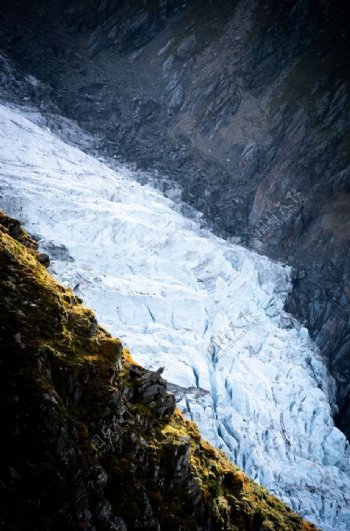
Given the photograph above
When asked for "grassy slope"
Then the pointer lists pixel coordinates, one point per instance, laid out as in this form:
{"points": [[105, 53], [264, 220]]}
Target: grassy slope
{"points": [[64, 380]]}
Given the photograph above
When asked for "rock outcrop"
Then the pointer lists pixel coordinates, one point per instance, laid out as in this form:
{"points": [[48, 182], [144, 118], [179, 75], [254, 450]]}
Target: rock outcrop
{"points": [[91, 440]]}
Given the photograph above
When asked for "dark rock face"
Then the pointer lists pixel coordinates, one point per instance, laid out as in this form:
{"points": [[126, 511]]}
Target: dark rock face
{"points": [[89, 439], [151, 390], [244, 104]]}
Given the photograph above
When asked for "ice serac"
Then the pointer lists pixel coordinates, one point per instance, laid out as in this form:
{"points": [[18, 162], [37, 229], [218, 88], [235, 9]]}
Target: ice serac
{"points": [[208, 311]]}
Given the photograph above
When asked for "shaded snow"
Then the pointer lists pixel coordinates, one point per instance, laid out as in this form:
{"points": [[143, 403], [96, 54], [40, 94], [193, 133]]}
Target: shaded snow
{"points": [[208, 311]]}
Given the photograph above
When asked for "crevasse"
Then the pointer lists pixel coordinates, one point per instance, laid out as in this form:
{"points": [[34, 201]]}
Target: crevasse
{"points": [[208, 311]]}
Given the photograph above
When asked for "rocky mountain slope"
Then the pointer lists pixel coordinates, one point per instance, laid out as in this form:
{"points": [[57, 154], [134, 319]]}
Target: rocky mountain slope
{"points": [[243, 104], [90, 440], [208, 311]]}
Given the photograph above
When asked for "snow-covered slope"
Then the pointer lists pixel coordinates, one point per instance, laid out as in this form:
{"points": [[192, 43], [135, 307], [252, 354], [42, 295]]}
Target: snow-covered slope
{"points": [[208, 311]]}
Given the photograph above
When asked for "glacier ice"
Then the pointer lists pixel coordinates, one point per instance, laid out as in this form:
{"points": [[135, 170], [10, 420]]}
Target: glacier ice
{"points": [[208, 311]]}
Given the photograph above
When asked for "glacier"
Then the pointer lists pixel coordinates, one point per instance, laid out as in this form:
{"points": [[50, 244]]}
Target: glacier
{"points": [[208, 311]]}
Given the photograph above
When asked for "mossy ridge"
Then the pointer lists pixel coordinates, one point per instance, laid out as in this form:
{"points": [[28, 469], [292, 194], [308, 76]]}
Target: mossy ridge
{"points": [[65, 380]]}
